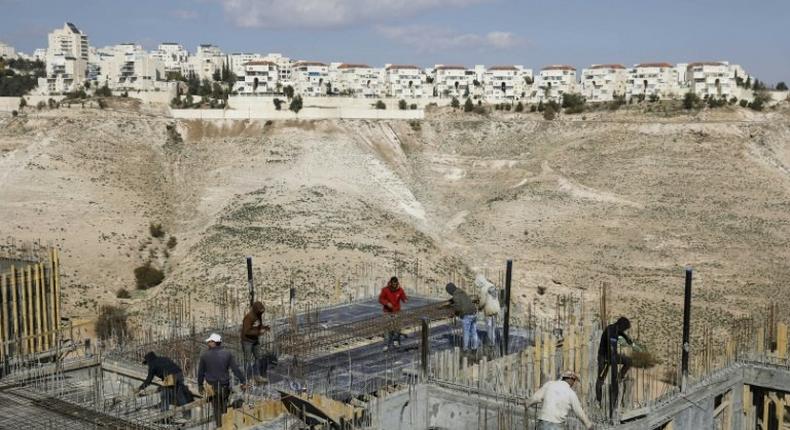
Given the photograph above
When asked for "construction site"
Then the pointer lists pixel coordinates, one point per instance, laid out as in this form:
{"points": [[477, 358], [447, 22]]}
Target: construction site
{"points": [[328, 371]]}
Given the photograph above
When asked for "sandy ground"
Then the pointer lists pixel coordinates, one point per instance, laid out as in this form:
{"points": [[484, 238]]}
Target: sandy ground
{"points": [[625, 198]]}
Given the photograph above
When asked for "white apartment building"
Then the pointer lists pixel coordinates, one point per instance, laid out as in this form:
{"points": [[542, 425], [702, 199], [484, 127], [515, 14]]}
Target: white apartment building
{"points": [[309, 78], [601, 82], [260, 77], [502, 84], [207, 60], [653, 78], [67, 60], [358, 80], [7, 51], [237, 63], [452, 81], [174, 57], [554, 81], [404, 81], [128, 67], [712, 79]]}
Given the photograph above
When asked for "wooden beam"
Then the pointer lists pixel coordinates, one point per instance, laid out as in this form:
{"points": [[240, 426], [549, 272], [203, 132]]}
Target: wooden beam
{"points": [[30, 309], [24, 330], [3, 316], [52, 299], [14, 305], [38, 296], [56, 277], [781, 341]]}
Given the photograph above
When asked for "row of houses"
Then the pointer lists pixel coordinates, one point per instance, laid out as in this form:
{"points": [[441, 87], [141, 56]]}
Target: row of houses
{"points": [[71, 61]]}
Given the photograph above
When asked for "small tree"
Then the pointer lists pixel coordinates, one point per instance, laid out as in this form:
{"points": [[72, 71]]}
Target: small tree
{"points": [[278, 104], [743, 103], [147, 276], [380, 105], [573, 103], [296, 104], [468, 105], [781, 86], [652, 98], [103, 91], [156, 230], [22, 103], [14, 113], [413, 106], [288, 91], [519, 107], [760, 99], [172, 242], [402, 105], [549, 113], [691, 101], [41, 105], [454, 103]]}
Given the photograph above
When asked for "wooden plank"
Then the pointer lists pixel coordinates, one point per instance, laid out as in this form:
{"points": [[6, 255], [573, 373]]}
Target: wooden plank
{"points": [[4, 314], [766, 410], [30, 308], [536, 363], [37, 297], [14, 306], [25, 328], [56, 277], [52, 299], [781, 341]]}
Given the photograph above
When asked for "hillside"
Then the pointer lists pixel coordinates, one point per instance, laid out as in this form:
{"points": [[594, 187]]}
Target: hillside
{"points": [[623, 198]]}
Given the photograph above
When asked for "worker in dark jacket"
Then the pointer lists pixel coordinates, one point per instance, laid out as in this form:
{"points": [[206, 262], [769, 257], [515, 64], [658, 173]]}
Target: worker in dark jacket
{"points": [[214, 368], [173, 390], [608, 352], [252, 327], [390, 299], [466, 310]]}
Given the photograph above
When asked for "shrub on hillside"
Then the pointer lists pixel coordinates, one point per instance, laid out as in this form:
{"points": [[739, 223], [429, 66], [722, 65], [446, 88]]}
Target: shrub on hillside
{"points": [[103, 91], [743, 103], [380, 105], [278, 104], [691, 101], [147, 276], [760, 100], [156, 230], [123, 293], [454, 103], [402, 105], [519, 107], [468, 105], [413, 106], [296, 104], [14, 113], [112, 323], [549, 113], [172, 242], [573, 103]]}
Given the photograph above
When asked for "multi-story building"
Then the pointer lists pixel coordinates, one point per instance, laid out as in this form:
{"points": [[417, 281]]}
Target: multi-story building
{"points": [[712, 79], [602, 82], [554, 81], [310, 78], [67, 60], [7, 51], [358, 80], [207, 60], [502, 84], [452, 81], [647, 79], [40, 54], [404, 81], [237, 63], [174, 58], [128, 67], [260, 77]]}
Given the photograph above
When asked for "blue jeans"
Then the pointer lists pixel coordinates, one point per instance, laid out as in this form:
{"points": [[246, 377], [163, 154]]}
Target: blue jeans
{"points": [[470, 332], [546, 425]]}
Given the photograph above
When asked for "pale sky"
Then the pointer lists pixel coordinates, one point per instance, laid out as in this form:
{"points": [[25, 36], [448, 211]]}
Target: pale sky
{"points": [[754, 34]]}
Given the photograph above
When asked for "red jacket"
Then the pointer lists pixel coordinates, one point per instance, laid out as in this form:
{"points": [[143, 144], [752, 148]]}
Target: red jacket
{"points": [[394, 298]]}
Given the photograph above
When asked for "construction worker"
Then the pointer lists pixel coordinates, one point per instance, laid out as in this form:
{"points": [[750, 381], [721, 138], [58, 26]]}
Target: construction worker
{"points": [[489, 305], [255, 363], [608, 347], [390, 298], [173, 390], [467, 311], [213, 369], [558, 398]]}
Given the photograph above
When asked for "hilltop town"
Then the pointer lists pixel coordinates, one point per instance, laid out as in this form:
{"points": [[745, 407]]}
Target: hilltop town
{"points": [[72, 65]]}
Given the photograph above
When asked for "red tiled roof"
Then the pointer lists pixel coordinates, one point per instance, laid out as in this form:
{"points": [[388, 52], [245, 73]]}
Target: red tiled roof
{"points": [[607, 66], [451, 67], [353, 66], [309, 63], [260, 63], [559, 67], [401, 66], [662, 65], [705, 63], [503, 68]]}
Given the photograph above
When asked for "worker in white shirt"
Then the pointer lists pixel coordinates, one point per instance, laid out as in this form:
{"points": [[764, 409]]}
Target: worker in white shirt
{"points": [[558, 399]]}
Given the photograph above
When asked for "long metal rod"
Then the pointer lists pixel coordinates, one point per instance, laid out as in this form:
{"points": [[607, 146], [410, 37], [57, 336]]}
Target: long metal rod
{"points": [[686, 347], [506, 327], [250, 283]]}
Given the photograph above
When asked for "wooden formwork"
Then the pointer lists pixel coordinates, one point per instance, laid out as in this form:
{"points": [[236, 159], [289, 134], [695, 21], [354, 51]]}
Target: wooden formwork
{"points": [[29, 306]]}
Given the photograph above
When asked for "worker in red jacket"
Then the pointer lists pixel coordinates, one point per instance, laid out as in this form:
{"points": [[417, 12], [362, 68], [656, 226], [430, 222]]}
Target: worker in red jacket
{"points": [[390, 298]]}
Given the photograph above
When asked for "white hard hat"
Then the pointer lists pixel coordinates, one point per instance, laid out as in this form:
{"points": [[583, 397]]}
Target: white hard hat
{"points": [[214, 338]]}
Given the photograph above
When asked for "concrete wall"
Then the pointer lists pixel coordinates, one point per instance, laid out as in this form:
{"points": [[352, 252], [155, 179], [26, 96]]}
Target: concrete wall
{"points": [[306, 113], [8, 104], [266, 103]]}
